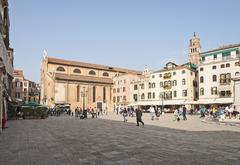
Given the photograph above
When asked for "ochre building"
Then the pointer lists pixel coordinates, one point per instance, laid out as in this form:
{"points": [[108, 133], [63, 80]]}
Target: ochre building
{"points": [[79, 84]]}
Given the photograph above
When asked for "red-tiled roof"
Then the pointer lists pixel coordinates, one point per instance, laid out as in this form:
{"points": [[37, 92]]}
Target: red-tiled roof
{"points": [[89, 65]]}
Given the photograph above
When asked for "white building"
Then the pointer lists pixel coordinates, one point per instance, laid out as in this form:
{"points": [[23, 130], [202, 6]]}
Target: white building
{"points": [[216, 69], [172, 86]]}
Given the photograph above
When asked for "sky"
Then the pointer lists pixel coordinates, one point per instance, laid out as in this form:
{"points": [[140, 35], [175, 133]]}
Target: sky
{"points": [[131, 34]]}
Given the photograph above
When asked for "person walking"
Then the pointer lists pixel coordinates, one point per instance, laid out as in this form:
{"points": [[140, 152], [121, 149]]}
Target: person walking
{"points": [[139, 116], [152, 112], [184, 112], [125, 114]]}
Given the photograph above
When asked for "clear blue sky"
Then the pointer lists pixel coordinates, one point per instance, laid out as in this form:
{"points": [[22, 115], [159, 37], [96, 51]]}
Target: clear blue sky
{"points": [[124, 33]]}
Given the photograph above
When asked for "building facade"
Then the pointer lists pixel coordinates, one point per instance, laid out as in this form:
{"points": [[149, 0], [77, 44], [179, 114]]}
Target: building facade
{"points": [[172, 86], [121, 92], [24, 90], [6, 62], [216, 70], [79, 84]]}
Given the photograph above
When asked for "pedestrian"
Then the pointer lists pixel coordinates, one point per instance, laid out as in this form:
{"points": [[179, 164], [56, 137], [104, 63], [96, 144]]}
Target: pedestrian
{"points": [[139, 116], [152, 112], [125, 114], [176, 115], [184, 112]]}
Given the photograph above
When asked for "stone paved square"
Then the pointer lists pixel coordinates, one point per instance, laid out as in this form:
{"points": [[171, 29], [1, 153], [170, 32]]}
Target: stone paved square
{"points": [[68, 140]]}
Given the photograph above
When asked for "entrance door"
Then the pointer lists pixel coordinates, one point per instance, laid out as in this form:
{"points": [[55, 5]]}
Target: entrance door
{"points": [[99, 105]]}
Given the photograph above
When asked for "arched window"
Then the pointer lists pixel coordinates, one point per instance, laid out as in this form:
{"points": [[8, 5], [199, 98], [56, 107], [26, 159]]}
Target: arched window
{"points": [[105, 74], [214, 78], [201, 91], [237, 74], [92, 73], [174, 83], [60, 69], [143, 96], [201, 79], [76, 71], [184, 81]]}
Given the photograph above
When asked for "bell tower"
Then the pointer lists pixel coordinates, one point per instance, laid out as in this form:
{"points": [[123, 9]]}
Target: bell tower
{"points": [[194, 49]]}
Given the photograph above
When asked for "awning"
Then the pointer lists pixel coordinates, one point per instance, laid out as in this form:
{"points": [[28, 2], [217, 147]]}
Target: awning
{"points": [[216, 101], [167, 102]]}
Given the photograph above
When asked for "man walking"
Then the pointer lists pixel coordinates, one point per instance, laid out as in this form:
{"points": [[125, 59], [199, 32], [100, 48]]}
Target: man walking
{"points": [[184, 112], [139, 116]]}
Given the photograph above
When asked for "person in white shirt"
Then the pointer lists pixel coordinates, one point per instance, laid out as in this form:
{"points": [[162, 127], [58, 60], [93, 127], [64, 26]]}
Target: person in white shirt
{"points": [[152, 112]]}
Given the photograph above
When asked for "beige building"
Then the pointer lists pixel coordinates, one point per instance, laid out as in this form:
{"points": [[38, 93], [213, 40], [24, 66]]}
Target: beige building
{"points": [[121, 89], [24, 90], [80, 84], [6, 62]]}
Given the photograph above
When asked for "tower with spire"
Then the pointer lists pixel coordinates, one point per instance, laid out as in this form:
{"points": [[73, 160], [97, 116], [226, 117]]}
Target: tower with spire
{"points": [[194, 49]]}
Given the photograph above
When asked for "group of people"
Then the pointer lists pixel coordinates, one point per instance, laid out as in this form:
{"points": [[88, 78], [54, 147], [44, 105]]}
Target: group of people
{"points": [[129, 112], [220, 112]]}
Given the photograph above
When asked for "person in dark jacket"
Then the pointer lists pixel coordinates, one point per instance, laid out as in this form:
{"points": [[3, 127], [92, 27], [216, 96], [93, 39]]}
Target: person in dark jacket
{"points": [[184, 112], [139, 116]]}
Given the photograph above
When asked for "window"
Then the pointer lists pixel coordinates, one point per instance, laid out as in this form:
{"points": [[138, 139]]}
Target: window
{"points": [[94, 94], [225, 93], [149, 85], [143, 96], [124, 89], [142, 86], [153, 85], [215, 56], [203, 58], [153, 95], [237, 74], [60, 69], [227, 65], [76, 71], [118, 99], [114, 99], [222, 66], [214, 67], [174, 73], [201, 69], [78, 93], [104, 94], [201, 79], [183, 71], [124, 81], [174, 83], [25, 84], [92, 73], [105, 74], [175, 94], [124, 98], [237, 64], [149, 95], [225, 78], [160, 75], [114, 90], [214, 78], [184, 81], [135, 97], [118, 90], [161, 84], [153, 76], [184, 93], [214, 90], [201, 91], [135, 87]]}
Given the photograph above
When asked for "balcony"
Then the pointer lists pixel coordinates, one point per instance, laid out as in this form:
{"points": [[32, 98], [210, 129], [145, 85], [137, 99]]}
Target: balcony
{"points": [[167, 87], [167, 75]]}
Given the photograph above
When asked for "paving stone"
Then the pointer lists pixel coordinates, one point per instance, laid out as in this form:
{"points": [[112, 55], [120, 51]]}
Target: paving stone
{"points": [[67, 140]]}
